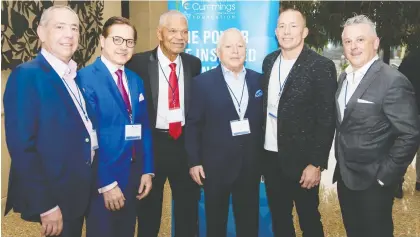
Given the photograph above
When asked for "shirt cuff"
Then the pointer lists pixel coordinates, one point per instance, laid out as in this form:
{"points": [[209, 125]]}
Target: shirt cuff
{"points": [[151, 174], [108, 187], [380, 183], [50, 211]]}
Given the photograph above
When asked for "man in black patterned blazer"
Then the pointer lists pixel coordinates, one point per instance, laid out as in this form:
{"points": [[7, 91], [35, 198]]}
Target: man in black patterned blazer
{"points": [[299, 87]]}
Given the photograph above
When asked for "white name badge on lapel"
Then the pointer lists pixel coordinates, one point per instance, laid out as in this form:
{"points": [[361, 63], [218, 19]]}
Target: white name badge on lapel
{"points": [[133, 132], [175, 115], [240, 127], [93, 140]]}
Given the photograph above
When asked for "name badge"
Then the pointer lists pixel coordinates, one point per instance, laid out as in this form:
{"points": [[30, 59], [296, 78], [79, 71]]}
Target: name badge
{"points": [[240, 127], [175, 115], [93, 140], [133, 132]]}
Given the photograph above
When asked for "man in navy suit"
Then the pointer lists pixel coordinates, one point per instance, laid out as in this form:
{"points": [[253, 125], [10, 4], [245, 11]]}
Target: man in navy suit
{"points": [[125, 166], [50, 132], [224, 138]]}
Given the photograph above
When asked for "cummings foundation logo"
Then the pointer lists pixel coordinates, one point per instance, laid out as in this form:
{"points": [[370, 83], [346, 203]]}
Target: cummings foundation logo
{"points": [[209, 9]]}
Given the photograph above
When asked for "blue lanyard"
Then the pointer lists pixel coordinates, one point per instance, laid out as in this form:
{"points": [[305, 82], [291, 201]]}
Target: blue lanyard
{"points": [[234, 96], [79, 101], [285, 80]]}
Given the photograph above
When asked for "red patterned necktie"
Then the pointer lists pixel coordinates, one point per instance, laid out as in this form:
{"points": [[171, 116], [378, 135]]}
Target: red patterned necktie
{"points": [[175, 129], [124, 95]]}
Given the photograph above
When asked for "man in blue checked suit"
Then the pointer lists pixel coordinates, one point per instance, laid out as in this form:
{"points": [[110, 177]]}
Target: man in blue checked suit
{"points": [[125, 164], [224, 138]]}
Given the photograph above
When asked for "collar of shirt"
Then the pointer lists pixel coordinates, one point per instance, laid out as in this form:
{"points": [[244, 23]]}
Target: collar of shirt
{"points": [[361, 71], [65, 71], [230, 74], [164, 61], [112, 68]]}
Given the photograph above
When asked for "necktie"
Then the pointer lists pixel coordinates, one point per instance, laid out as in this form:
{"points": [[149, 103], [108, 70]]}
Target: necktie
{"points": [[175, 129], [123, 92], [124, 95]]}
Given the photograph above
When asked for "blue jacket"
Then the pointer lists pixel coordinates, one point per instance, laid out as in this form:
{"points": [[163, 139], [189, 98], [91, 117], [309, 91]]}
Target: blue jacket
{"points": [[48, 143], [208, 138], [115, 152]]}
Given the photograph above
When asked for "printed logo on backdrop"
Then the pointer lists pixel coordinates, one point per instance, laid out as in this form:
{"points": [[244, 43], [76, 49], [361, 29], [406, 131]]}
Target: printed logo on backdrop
{"points": [[209, 10], [207, 19]]}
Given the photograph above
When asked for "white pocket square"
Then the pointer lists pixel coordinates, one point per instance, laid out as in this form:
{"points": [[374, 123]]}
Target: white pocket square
{"points": [[364, 101], [141, 97]]}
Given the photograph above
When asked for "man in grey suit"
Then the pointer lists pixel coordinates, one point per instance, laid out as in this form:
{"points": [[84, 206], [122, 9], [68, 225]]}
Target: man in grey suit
{"points": [[377, 133]]}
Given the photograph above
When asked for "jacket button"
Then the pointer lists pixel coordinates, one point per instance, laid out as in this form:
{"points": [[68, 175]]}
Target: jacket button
{"points": [[87, 140]]}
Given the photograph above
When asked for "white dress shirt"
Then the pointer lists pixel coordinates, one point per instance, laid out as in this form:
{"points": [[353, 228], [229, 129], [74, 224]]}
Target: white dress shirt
{"points": [[67, 72], [350, 84], [164, 73], [278, 77], [238, 90]]}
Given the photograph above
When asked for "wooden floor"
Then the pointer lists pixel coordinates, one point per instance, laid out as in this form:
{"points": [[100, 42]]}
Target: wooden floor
{"points": [[406, 213]]}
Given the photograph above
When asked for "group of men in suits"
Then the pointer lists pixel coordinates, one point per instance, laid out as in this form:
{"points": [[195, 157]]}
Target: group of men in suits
{"points": [[92, 144]]}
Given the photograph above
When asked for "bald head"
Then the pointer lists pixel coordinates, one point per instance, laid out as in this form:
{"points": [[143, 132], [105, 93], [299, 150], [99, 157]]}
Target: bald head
{"points": [[231, 50]]}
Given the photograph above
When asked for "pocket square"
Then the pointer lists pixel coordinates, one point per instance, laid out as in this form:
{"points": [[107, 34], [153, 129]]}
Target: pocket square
{"points": [[364, 101], [141, 97], [259, 93]]}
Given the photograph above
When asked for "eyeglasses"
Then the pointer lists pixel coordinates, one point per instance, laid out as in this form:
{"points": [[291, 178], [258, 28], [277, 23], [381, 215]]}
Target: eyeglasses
{"points": [[119, 41]]}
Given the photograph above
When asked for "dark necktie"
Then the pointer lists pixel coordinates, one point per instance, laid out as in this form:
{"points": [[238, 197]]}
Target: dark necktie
{"points": [[123, 91], [175, 129], [124, 95]]}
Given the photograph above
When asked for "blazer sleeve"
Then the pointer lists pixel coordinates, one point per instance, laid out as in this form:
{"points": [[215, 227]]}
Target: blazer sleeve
{"points": [[22, 113], [148, 162], [400, 108], [195, 123], [324, 91]]}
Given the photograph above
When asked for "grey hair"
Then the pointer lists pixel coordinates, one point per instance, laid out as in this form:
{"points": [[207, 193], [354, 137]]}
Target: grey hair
{"points": [[361, 19], [45, 17], [163, 19], [222, 37]]}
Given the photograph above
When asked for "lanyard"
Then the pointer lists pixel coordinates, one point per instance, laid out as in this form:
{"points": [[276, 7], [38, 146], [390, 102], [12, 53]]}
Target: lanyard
{"points": [[285, 80], [177, 78], [79, 101], [234, 96]]}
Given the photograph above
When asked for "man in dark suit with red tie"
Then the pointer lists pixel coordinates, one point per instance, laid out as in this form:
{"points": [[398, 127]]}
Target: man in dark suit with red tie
{"points": [[167, 73]]}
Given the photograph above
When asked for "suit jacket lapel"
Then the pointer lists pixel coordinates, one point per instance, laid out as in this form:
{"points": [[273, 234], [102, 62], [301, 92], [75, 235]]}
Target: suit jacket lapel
{"points": [[187, 82], [103, 73], [337, 94], [154, 77], [225, 92], [58, 83], [132, 86], [267, 75], [250, 94], [369, 77], [294, 74]]}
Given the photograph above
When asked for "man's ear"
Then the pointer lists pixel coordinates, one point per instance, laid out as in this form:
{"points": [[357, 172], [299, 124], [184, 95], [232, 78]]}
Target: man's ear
{"points": [[305, 32], [41, 33], [102, 41], [159, 34]]}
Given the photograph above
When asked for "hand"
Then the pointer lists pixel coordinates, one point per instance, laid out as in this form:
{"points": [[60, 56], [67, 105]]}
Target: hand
{"points": [[196, 172], [311, 176], [52, 224], [114, 199], [145, 186]]}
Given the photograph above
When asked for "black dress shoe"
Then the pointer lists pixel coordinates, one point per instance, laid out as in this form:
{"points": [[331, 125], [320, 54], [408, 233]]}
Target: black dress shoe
{"points": [[418, 186], [399, 192]]}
